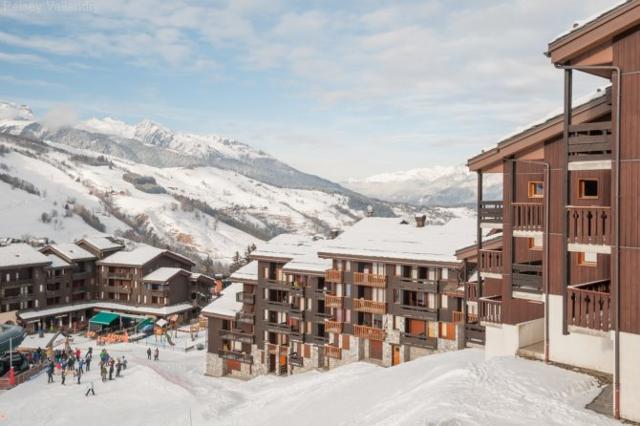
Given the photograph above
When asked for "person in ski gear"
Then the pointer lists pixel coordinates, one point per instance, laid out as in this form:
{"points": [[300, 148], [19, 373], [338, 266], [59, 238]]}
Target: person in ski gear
{"points": [[50, 369], [63, 375], [156, 355], [90, 389], [149, 354]]}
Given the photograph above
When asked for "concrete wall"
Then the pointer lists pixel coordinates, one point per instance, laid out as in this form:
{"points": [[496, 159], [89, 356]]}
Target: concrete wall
{"points": [[630, 376], [505, 339], [588, 349]]}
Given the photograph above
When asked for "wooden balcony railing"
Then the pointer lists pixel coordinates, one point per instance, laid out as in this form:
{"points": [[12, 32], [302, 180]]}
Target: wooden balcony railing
{"points": [[367, 332], [370, 280], [417, 284], [236, 356], [527, 277], [333, 351], [419, 340], [472, 291], [331, 301], [528, 216], [331, 326], [590, 141], [333, 276], [491, 309], [245, 317], [491, 261], [370, 306], [589, 225], [471, 318], [246, 298], [237, 335], [589, 305], [491, 211], [457, 316]]}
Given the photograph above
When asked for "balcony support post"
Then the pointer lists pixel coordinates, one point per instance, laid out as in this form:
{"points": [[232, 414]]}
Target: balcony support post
{"points": [[566, 264], [479, 241]]}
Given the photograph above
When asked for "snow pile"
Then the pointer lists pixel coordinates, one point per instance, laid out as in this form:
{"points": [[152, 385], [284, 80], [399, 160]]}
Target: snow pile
{"points": [[449, 388], [582, 22]]}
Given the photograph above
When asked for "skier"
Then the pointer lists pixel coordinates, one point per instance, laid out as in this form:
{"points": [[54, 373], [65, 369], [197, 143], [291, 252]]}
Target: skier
{"points": [[79, 374], [124, 363], [63, 375], [50, 369], [156, 355], [90, 389], [87, 360], [149, 354], [103, 371], [118, 368]]}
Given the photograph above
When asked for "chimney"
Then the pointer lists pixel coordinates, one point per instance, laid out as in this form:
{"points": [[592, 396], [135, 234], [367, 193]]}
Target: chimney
{"points": [[420, 220], [333, 234], [369, 211]]}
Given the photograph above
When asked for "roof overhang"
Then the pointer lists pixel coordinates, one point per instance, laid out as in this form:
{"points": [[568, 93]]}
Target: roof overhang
{"points": [[595, 36], [359, 258], [531, 140]]}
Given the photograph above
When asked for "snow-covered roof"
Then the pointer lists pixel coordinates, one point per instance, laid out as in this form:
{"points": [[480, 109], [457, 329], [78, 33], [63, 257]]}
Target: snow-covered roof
{"points": [[164, 274], [59, 310], [102, 243], [581, 23], [393, 238], [226, 304], [248, 272], [139, 256], [71, 251], [309, 262], [21, 254], [284, 246], [57, 262]]}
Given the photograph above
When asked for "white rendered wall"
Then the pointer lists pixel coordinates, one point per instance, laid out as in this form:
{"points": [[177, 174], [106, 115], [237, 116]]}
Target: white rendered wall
{"points": [[505, 339], [630, 376], [593, 351]]}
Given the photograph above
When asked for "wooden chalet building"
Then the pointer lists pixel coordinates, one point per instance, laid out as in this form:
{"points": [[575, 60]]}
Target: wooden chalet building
{"points": [[563, 285]]}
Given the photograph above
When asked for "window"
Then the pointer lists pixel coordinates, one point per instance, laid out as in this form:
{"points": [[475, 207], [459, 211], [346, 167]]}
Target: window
{"points": [[587, 259], [535, 243], [588, 189], [536, 189], [445, 273]]}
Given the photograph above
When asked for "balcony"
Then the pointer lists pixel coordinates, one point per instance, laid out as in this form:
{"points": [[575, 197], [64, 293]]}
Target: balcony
{"points": [[333, 276], [295, 311], [589, 305], [366, 332], [246, 298], [331, 301], [237, 335], [236, 356], [297, 335], [296, 288], [321, 316], [369, 306], [278, 284], [491, 212], [414, 310], [319, 340], [528, 217], [589, 225], [472, 291], [419, 340], [277, 327], [277, 305], [527, 277], [370, 280], [457, 316], [491, 261], [333, 351], [331, 326], [127, 290], [246, 317], [590, 141], [491, 308], [417, 284]]}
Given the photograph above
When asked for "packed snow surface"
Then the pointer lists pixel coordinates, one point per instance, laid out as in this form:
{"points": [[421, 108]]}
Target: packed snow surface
{"points": [[449, 388]]}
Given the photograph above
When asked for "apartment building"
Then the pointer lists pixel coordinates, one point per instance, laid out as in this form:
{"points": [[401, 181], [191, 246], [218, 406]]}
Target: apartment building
{"points": [[61, 285], [562, 286], [378, 292]]}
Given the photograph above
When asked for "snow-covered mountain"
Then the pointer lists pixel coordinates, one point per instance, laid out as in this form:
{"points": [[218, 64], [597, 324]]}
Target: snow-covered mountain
{"points": [[433, 186], [206, 195]]}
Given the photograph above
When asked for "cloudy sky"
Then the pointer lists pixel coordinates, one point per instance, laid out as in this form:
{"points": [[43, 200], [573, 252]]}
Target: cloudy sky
{"points": [[337, 88]]}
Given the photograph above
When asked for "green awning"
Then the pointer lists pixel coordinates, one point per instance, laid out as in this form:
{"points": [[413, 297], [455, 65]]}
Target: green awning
{"points": [[104, 318]]}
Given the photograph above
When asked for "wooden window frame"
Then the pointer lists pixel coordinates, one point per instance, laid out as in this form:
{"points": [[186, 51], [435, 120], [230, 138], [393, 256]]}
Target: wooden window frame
{"points": [[583, 262], [531, 185], [580, 191], [532, 244]]}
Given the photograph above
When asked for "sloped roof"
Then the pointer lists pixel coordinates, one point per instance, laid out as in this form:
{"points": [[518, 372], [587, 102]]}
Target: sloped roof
{"points": [[248, 272], [393, 238], [226, 304], [284, 246], [71, 252], [164, 274], [102, 243], [57, 262], [139, 256], [15, 255]]}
